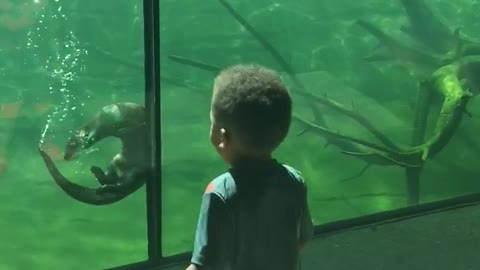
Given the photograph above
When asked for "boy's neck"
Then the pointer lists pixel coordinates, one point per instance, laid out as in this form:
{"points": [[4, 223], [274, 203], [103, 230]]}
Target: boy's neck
{"points": [[249, 161]]}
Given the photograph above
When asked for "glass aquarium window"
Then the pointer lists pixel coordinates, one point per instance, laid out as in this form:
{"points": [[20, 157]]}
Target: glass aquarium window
{"points": [[62, 61], [360, 135]]}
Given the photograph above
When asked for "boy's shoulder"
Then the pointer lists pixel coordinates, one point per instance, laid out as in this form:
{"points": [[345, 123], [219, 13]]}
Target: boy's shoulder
{"points": [[294, 173], [225, 187]]}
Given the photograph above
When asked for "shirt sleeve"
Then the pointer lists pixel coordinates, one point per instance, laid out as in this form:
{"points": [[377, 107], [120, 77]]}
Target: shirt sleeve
{"points": [[208, 243], [305, 222]]}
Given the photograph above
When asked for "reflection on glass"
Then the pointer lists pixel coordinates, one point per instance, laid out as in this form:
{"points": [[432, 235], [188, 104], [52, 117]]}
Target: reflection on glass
{"points": [[323, 47], [63, 64]]}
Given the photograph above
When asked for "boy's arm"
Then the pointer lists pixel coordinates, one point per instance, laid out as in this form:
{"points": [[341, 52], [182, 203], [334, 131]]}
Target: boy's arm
{"points": [[305, 224], [208, 237], [192, 267]]}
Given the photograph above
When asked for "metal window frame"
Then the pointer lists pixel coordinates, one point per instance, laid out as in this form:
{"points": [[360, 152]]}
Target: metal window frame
{"points": [[155, 259], [153, 202], [153, 108]]}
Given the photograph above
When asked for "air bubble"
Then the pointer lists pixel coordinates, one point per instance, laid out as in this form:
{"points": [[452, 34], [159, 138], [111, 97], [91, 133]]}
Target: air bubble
{"points": [[67, 58]]}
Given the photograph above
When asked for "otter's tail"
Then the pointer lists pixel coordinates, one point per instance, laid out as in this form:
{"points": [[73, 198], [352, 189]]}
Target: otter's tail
{"points": [[78, 192]]}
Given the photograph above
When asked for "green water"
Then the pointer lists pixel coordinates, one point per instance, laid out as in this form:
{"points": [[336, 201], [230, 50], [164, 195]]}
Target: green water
{"points": [[70, 58]]}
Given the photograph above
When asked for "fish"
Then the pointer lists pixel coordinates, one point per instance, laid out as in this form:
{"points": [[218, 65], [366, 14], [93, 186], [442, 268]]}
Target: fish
{"points": [[10, 110], [396, 49], [425, 27], [2, 164]]}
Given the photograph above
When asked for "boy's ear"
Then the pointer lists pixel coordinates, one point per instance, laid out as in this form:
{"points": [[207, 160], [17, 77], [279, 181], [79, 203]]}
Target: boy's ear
{"points": [[223, 138]]}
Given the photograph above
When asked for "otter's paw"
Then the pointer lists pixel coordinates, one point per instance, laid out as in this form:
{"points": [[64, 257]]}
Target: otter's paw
{"points": [[102, 178]]}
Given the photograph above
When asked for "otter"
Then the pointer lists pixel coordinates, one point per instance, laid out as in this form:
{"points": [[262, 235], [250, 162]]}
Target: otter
{"points": [[127, 170]]}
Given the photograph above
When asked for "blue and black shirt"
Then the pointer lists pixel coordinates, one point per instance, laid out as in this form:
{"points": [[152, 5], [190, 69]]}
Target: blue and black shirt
{"points": [[253, 218]]}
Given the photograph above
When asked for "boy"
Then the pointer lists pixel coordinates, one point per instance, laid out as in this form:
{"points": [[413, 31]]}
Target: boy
{"points": [[255, 216]]}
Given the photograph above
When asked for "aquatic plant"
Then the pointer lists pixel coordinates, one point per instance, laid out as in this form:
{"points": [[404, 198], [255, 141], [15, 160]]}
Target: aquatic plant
{"points": [[453, 62]]}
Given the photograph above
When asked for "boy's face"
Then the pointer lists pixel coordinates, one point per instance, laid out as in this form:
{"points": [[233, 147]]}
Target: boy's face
{"points": [[221, 140]]}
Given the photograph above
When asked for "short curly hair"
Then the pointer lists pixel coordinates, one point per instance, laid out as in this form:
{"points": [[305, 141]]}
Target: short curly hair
{"points": [[253, 102]]}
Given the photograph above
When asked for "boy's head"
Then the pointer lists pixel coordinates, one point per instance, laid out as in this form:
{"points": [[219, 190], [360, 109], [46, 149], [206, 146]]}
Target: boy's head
{"points": [[250, 112]]}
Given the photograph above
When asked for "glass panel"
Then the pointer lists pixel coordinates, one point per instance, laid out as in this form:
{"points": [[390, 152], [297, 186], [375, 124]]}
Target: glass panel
{"points": [[325, 46], [62, 61]]}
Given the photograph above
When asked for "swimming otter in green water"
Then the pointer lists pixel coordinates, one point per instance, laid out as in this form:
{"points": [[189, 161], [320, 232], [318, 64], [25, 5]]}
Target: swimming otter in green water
{"points": [[127, 170]]}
